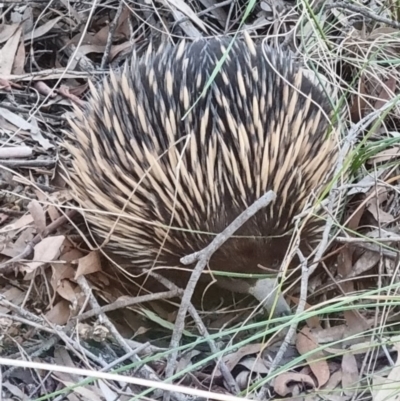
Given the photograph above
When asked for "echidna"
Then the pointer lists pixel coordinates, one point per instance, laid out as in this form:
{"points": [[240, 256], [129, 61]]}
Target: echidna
{"points": [[164, 185]]}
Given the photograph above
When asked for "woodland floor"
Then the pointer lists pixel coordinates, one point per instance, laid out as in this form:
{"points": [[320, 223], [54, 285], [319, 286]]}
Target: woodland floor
{"points": [[67, 326]]}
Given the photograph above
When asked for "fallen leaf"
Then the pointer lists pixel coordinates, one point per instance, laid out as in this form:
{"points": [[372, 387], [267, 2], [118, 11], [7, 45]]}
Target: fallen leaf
{"points": [[3, 218], [60, 313], [382, 32], [186, 359], [23, 221], [242, 379], [15, 391], [44, 89], [357, 110], [61, 271], [231, 360], [53, 212], [334, 381], [106, 391], [19, 123], [254, 364], [387, 92], [36, 135], [62, 357], [6, 31], [6, 85], [386, 389], [385, 155], [42, 30], [13, 295], [8, 51], [379, 214], [88, 264], [285, 383], [366, 262], [87, 392], [117, 49], [366, 183], [306, 343], [19, 60], [350, 376], [67, 290], [38, 214], [185, 9], [45, 251]]}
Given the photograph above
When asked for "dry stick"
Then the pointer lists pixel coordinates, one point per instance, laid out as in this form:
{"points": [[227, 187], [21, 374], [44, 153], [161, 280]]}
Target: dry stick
{"points": [[376, 248], [11, 212], [194, 393], [26, 322], [20, 110], [7, 267], [350, 138], [202, 258], [51, 74], [39, 323], [112, 28], [262, 395], [44, 347], [214, 7], [20, 311], [107, 368], [27, 163], [10, 152], [144, 370], [226, 374], [76, 347], [368, 240], [365, 13], [129, 302]]}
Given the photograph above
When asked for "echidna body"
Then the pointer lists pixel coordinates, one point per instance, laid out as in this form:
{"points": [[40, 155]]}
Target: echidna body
{"points": [[162, 183]]}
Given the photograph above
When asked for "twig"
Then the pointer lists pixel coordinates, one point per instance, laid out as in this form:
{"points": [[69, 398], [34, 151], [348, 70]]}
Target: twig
{"points": [[144, 370], [352, 240], [15, 151], [24, 321], [27, 163], [44, 347], [202, 258], [51, 74], [20, 311], [112, 28], [129, 302], [350, 138], [11, 212], [21, 110], [39, 323], [45, 188], [221, 238], [293, 326], [375, 248], [363, 11], [226, 374], [214, 7], [7, 267], [194, 392], [106, 368]]}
